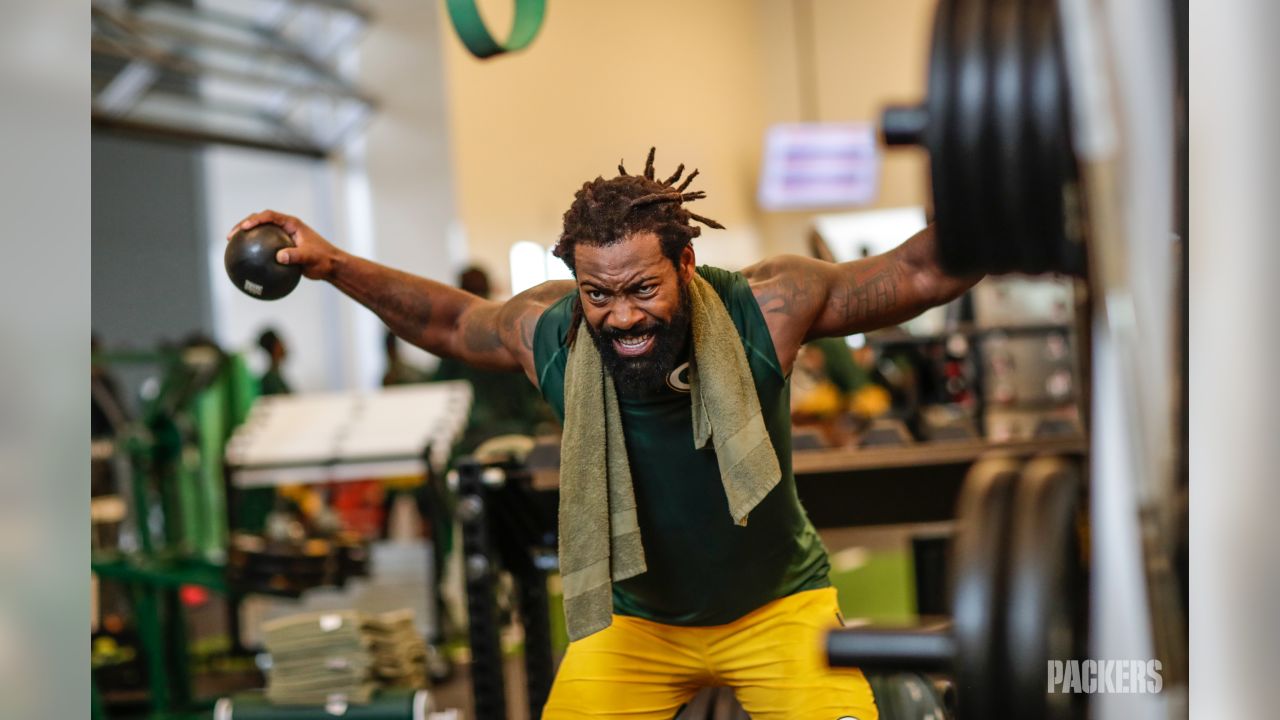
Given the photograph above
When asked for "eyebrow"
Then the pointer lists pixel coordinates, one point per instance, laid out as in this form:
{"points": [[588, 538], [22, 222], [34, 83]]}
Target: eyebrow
{"points": [[630, 284]]}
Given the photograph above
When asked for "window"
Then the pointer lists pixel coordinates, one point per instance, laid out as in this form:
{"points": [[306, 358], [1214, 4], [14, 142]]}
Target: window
{"points": [[532, 264]]}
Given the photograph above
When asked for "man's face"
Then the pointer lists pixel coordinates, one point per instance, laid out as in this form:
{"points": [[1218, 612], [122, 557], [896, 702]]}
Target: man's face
{"points": [[636, 306]]}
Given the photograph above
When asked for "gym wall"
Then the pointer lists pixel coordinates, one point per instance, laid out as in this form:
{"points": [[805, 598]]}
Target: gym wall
{"points": [[147, 259]]}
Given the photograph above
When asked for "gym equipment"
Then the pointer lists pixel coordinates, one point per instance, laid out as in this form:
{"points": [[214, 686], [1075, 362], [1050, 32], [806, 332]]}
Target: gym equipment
{"points": [[396, 432], [506, 525], [1017, 597], [997, 126], [476, 37], [177, 521], [1044, 623], [911, 696], [251, 264], [344, 436], [256, 564]]}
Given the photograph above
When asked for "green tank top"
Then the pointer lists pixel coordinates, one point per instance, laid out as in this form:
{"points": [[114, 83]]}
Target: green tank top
{"points": [[702, 568]]}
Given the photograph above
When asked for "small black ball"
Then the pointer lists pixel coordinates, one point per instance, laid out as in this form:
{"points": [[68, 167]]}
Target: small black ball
{"points": [[251, 264]]}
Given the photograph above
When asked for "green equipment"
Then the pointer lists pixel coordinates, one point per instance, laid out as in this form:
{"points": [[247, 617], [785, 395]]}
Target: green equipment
{"points": [[176, 532]]}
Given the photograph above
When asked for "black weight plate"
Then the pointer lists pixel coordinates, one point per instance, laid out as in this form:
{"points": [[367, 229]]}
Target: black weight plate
{"points": [[1049, 147], [978, 587], [966, 175], [1045, 594], [951, 254], [1007, 194], [906, 696]]}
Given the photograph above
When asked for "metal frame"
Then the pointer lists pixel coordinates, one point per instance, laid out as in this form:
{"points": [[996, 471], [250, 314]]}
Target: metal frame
{"points": [[502, 529], [307, 107]]}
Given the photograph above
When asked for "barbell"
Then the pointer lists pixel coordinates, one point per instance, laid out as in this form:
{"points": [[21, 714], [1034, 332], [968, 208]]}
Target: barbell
{"points": [[1017, 597], [996, 123]]}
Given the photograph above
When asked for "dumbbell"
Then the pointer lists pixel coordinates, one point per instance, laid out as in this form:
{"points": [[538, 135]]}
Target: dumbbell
{"points": [[1016, 597]]}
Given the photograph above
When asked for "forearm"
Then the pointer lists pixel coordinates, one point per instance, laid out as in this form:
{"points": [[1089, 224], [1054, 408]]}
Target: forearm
{"points": [[421, 311], [888, 289]]}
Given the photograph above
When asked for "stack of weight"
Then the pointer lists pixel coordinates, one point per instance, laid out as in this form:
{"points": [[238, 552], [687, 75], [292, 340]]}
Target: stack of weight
{"points": [[997, 126], [399, 652], [319, 657], [1018, 597]]}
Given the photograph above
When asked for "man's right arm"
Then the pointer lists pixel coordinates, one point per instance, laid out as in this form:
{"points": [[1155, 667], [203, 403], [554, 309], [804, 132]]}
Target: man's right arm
{"points": [[440, 319]]}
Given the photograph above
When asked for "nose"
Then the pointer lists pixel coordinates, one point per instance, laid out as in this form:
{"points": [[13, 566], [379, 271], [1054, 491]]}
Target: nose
{"points": [[623, 316]]}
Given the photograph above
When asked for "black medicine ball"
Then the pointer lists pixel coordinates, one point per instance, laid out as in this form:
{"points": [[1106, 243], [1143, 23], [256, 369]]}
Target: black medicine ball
{"points": [[251, 262]]}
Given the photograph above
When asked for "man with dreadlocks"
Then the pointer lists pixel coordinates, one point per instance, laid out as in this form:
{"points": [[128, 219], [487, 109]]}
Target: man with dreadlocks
{"points": [[686, 558]]}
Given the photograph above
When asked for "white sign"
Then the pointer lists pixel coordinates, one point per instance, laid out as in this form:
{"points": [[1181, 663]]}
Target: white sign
{"points": [[819, 165]]}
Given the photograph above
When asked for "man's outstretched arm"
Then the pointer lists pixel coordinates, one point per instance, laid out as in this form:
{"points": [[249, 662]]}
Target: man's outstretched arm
{"points": [[804, 298], [440, 319]]}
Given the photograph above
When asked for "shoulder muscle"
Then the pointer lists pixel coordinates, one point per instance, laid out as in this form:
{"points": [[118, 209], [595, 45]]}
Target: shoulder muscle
{"points": [[518, 319], [791, 291]]}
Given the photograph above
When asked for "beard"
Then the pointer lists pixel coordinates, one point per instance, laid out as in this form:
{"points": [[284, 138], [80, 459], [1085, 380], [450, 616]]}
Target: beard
{"points": [[639, 375]]}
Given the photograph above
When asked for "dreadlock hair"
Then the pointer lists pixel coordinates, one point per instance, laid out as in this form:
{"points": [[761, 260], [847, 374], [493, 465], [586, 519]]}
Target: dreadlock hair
{"points": [[605, 212]]}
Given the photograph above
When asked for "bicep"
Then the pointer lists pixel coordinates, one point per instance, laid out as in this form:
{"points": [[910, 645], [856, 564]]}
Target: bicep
{"points": [[479, 338], [518, 321], [803, 299], [499, 336], [791, 291]]}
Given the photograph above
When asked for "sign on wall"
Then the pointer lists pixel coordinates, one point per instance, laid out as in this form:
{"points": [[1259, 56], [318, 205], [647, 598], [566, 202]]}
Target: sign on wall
{"points": [[819, 165]]}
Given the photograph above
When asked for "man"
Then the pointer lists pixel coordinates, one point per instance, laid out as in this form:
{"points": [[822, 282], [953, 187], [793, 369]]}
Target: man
{"points": [[272, 381], [716, 590]]}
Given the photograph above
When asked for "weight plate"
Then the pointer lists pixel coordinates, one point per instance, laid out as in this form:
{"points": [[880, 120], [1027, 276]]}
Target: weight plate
{"points": [[1045, 619], [1007, 193], [967, 138], [938, 137], [978, 587], [1049, 148]]}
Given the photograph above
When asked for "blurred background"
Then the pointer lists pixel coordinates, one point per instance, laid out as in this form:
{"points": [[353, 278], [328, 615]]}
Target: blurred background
{"points": [[218, 507]]}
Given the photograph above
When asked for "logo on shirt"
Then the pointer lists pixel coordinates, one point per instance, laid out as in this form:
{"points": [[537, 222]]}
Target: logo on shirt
{"points": [[678, 380]]}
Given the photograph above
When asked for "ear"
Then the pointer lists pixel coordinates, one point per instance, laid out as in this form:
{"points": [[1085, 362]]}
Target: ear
{"points": [[688, 263]]}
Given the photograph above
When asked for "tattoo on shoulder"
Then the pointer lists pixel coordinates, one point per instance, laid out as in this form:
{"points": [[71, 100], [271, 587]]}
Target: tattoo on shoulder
{"points": [[786, 295], [531, 304], [529, 325]]}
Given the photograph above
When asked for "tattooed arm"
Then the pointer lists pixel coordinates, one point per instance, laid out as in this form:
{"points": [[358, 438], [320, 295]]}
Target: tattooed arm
{"points": [[803, 299], [440, 319]]}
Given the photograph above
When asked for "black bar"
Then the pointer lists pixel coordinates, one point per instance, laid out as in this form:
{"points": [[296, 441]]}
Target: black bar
{"points": [[487, 683], [539, 667], [922, 649], [904, 125]]}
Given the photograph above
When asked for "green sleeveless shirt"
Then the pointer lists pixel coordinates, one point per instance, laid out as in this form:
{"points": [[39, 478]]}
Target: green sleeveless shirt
{"points": [[702, 568]]}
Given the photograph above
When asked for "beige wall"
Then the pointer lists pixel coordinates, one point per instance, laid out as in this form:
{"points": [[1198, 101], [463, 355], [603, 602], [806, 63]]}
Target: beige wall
{"points": [[700, 80]]}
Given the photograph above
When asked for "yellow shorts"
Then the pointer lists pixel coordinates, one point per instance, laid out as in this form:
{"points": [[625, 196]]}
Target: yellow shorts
{"points": [[772, 658]]}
